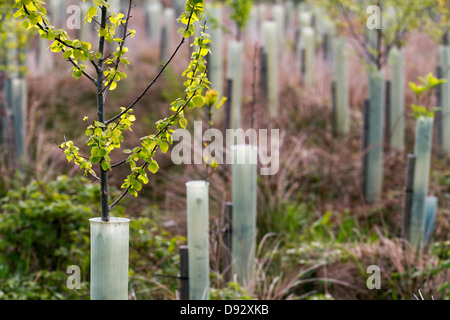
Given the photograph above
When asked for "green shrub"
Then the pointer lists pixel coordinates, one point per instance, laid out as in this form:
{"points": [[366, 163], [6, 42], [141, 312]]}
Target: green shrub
{"points": [[42, 285], [233, 291], [44, 228], [154, 259]]}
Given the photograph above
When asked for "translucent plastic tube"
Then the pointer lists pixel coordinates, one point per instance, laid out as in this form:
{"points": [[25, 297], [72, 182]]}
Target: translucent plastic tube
{"points": [[16, 95], [279, 18], [169, 24], [154, 12], [244, 188], [198, 239], [179, 6], [57, 12], [271, 46], [234, 72], [262, 14], [83, 33], [114, 6], [308, 41], [109, 259], [304, 18], [374, 163], [397, 100], [422, 150], [431, 205], [289, 13], [444, 61], [215, 70], [342, 118]]}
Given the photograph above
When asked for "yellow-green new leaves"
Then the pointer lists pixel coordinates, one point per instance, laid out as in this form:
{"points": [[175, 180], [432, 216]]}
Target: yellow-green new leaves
{"points": [[14, 40], [90, 14], [34, 14], [198, 100], [103, 140], [195, 83], [240, 11], [105, 136], [113, 77], [72, 153], [436, 21], [211, 97], [193, 12], [428, 83]]}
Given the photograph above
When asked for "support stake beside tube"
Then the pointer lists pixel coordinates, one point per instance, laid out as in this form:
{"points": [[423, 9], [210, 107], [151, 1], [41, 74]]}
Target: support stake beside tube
{"points": [[227, 236], [184, 273], [408, 195]]}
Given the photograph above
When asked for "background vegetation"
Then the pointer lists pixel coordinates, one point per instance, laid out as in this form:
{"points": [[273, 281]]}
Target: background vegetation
{"points": [[316, 235]]}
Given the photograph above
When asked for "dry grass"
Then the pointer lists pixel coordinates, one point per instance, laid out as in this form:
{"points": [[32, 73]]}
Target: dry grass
{"points": [[403, 272], [315, 168]]}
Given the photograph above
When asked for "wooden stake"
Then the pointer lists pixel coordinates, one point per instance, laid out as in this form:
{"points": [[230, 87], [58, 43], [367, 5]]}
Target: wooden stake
{"points": [[333, 104], [229, 101], [364, 144], [409, 182], [184, 273], [387, 112], [263, 74], [227, 234], [438, 113]]}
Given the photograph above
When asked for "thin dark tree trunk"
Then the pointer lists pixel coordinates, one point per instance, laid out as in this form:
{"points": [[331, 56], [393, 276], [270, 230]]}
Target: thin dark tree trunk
{"points": [[100, 118], [379, 37]]}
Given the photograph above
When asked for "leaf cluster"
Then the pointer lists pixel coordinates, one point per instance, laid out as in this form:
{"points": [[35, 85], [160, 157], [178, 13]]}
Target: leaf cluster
{"points": [[106, 136], [427, 85]]}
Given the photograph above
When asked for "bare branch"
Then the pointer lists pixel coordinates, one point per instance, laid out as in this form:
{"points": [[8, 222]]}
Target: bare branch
{"points": [[82, 71], [118, 163], [45, 29]]}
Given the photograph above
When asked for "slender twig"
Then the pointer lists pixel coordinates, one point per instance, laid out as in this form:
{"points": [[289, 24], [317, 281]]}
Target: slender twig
{"points": [[121, 44], [86, 158], [180, 109], [78, 67], [166, 126], [172, 118], [65, 43], [45, 29], [95, 65], [118, 163], [252, 117], [95, 20], [355, 36], [209, 127]]}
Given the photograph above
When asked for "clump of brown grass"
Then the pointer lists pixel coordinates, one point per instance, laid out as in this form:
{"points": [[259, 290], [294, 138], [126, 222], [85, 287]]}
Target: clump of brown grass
{"points": [[403, 271]]}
